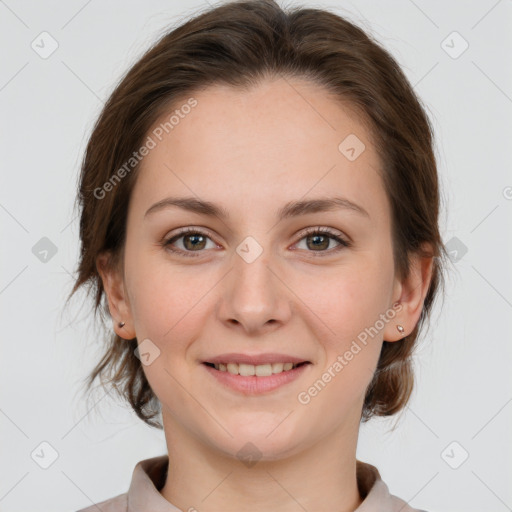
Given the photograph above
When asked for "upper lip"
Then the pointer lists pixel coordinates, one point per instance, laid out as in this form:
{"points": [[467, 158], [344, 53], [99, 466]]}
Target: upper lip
{"points": [[255, 359]]}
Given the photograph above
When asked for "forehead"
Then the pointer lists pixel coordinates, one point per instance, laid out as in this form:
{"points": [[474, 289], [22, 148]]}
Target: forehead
{"points": [[279, 141]]}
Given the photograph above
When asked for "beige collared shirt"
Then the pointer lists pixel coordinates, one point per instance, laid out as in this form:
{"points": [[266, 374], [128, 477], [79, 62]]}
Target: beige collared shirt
{"points": [[149, 477]]}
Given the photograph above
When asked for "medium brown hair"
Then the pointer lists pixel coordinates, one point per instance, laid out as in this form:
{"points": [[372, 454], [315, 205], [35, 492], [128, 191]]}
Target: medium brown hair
{"points": [[240, 44]]}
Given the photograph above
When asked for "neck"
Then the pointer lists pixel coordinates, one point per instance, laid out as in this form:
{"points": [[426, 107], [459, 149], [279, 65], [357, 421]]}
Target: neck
{"points": [[321, 477]]}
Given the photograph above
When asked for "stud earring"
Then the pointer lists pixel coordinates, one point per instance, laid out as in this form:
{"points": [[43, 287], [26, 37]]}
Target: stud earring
{"points": [[400, 328], [121, 324]]}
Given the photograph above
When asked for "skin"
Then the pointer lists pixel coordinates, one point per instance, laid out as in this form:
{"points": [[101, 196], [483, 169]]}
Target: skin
{"points": [[251, 152]]}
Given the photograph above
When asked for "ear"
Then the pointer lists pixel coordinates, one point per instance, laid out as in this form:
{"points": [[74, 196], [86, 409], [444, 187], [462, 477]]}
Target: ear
{"points": [[118, 304], [410, 294]]}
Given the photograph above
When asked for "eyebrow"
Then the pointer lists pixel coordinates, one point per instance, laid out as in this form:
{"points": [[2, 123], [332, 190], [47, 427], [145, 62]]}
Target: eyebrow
{"points": [[291, 209]]}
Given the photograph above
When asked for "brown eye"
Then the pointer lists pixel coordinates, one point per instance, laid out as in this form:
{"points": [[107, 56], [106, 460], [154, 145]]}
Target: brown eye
{"points": [[196, 241], [318, 241], [192, 240]]}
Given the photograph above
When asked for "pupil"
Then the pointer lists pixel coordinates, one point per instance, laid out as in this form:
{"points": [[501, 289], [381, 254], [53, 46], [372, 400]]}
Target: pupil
{"points": [[194, 244], [316, 238]]}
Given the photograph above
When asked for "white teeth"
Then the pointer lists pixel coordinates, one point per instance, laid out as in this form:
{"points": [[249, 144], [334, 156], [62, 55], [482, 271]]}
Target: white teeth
{"points": [[245, 370], [260, 370], [277, 367], [263, 370]]}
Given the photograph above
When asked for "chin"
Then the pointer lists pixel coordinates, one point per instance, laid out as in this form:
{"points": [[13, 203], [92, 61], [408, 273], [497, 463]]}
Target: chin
{"points": [[257, 445]]}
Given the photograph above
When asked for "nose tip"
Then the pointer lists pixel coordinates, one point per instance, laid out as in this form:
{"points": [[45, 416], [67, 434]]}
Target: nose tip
{"points": [[253, 297]]}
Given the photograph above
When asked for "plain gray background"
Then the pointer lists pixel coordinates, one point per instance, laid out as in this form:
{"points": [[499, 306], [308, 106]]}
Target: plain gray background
{"points": [[451, 449]]}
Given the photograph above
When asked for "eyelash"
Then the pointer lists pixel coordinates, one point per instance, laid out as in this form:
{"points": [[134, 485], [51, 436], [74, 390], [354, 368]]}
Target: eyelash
{"points": [[310, 231]]}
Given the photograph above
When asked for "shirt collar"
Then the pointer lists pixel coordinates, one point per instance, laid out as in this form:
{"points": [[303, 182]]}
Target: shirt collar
{"points": [[149, 477]]}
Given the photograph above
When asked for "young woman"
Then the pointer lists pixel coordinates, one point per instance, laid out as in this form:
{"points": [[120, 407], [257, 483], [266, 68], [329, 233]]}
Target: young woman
{"points": [[259, 218]]}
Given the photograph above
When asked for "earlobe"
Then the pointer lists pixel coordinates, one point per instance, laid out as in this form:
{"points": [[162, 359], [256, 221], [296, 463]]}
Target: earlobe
{"points": [[412, 292], [118, 305]]}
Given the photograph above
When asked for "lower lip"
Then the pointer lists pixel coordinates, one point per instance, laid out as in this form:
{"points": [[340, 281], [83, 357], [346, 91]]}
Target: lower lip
{"points": [[253, 385]]}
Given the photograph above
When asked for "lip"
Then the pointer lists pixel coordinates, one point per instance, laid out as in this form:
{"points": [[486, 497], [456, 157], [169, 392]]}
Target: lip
{"points": [[253, 385], [255, 359]]}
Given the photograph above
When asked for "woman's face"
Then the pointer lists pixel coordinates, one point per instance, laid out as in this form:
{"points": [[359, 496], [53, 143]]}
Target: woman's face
{"points": [[255, 282]]}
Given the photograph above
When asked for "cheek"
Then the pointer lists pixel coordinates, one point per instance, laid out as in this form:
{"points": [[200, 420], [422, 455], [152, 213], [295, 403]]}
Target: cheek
{"points": [[164, 301], [347, 316], [165, 306], [351, 299], [345, 322]]}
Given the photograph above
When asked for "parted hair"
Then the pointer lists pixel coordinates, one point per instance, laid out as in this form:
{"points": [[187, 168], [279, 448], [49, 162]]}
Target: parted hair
{"points": [[241, 43]]}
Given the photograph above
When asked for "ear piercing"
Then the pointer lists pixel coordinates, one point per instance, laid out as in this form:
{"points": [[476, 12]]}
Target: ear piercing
{"points": [[121, 324]]}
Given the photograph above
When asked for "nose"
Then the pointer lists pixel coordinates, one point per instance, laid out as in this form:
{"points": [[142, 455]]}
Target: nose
{"points": [[254, 297]]}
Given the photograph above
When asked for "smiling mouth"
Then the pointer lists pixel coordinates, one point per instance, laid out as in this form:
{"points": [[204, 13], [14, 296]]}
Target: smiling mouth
{"points": [[262, 370]]}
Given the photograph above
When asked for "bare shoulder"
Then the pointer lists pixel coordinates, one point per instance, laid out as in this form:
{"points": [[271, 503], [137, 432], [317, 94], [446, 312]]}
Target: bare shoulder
{"points": [[116, 504]]}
